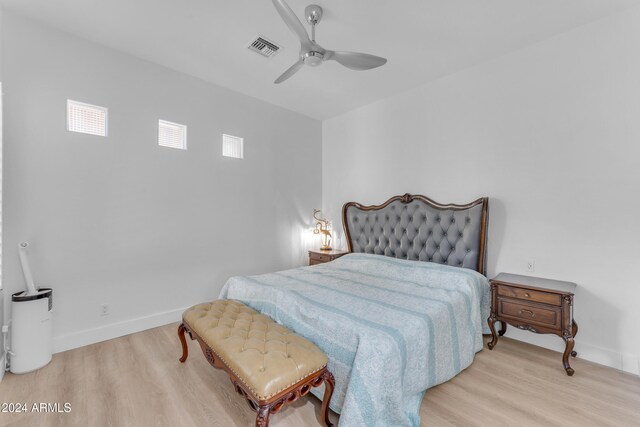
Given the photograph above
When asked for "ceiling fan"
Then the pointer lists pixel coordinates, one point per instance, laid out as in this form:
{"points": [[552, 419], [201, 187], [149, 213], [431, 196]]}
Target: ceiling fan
{"points": [[311, 53]]}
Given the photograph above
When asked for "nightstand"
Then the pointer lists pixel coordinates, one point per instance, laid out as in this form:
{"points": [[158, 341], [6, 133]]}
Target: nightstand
{"points": [[318, 256], [538, 305]]}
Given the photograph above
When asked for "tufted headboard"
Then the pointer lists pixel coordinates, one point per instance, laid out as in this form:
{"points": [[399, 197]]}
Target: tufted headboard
{"points": [[417, 228]]}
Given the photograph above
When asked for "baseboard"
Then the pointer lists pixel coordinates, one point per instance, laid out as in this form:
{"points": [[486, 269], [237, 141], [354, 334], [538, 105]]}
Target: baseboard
{"points": [[623, 361], [115, 330]]}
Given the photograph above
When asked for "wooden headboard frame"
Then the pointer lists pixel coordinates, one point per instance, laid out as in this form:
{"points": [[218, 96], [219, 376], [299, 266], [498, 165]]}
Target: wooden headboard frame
{"points": [[408, 198]]}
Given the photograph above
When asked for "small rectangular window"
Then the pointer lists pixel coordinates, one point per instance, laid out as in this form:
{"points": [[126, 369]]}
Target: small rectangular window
{"points": [[232, 146], [172, 135], [86, 118]]}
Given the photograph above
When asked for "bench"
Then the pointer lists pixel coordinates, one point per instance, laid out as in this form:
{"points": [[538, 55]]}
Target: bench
{"points": [[267, 363]]}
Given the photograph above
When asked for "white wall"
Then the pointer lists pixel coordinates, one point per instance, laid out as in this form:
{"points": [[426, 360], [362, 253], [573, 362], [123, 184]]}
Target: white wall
{"points": [[2, 300], [551, 134], [121, 221]]}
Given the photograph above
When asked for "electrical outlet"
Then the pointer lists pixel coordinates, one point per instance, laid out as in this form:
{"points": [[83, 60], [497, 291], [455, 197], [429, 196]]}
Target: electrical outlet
{"points": [[104, 310], [531, 265]]}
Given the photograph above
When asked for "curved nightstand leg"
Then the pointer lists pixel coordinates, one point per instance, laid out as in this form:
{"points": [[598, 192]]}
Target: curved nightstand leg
{"points": [[494, 337], [567, 351], [503, 328], [574, 332]]}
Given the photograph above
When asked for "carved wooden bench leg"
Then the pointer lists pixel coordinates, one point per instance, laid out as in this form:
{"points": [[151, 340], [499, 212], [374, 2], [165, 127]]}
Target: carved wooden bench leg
{"points": [[183, 340], [262, 419], [329, 384]]}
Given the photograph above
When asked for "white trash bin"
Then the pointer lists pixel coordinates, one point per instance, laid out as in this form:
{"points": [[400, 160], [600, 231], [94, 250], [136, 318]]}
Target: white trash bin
{"points": [[31, 331]]}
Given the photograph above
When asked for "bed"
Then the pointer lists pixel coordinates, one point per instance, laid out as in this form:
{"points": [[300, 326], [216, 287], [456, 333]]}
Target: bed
{"points": [[402, 312]]}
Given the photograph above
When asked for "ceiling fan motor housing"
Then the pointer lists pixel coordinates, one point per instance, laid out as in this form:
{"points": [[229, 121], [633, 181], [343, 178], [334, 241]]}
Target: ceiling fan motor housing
{"points": [[312, 58]]}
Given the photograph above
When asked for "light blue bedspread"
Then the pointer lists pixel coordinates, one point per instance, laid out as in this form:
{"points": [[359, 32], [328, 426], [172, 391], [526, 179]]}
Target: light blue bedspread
{"points": [[391, 328]]}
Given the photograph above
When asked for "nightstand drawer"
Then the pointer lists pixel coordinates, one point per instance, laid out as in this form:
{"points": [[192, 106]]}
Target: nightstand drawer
{"points": [[321, 257], [547, 316], [529, 295]]}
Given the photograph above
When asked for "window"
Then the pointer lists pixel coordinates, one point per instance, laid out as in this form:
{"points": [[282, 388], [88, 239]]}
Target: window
{"points": [[172, 135], [232, 146], [86, 118]]}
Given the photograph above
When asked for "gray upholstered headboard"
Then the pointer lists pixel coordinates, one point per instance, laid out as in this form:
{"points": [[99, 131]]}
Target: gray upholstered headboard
{"points": [[417, 228]]}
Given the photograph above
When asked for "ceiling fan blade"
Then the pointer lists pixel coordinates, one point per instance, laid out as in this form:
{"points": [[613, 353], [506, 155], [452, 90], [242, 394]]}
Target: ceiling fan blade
{"points": [[355, 60], [290, 72], [292, 22]]}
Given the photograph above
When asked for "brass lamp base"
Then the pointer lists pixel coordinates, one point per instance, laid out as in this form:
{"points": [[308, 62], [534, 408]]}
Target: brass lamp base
{"points": [[322, 228]]}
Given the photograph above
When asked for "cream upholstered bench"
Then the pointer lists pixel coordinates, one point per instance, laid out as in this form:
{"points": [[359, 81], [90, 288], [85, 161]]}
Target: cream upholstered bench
{"points": [[267, 363]]}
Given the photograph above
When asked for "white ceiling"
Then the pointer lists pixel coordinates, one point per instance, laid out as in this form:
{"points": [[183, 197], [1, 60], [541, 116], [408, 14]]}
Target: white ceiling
{"points": [[422, 39]]}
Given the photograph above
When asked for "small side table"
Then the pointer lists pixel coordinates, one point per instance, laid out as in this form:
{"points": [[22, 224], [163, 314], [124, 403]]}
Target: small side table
{"points": [[538, 305], [319, 257]]}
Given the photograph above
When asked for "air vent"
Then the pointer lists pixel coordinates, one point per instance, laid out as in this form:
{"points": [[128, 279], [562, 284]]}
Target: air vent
{"points": [[263, 46]]}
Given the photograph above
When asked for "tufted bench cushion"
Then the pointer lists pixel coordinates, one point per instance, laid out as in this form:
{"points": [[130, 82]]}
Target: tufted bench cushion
{"points": [[265, 356], [271, 364]]}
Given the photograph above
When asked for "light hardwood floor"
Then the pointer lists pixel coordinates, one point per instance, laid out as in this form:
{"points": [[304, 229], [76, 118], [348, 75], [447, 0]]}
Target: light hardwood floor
{"points": [[137, 381]]}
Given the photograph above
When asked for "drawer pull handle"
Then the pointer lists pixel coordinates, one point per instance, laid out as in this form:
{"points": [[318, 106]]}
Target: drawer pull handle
{"points": [[531, 313], [526, 295]]}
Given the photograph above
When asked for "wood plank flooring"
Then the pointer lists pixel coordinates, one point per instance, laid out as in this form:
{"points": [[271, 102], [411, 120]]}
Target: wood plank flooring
{"points": [[137, 381]]}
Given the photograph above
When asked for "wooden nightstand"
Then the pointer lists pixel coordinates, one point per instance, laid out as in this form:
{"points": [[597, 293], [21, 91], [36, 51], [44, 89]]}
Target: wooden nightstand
{"points": [[318, 256], [538, 305]]}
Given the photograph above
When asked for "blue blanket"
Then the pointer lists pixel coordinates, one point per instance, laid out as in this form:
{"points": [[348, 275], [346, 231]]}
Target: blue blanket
{"points": [[391, 328]]}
